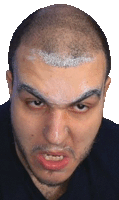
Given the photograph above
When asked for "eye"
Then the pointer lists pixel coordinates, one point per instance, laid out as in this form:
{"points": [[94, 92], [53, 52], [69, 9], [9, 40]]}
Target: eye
{"points": [[81, 108], [35, 104]]}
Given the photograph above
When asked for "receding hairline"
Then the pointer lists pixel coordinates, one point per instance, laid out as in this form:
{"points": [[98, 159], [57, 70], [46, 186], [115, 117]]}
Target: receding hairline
{"points": [[54, 34], [62, 28], [58, 60]]}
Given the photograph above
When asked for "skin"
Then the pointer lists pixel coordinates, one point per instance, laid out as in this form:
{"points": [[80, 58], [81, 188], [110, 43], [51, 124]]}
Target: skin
{"points": [[58, 125]]}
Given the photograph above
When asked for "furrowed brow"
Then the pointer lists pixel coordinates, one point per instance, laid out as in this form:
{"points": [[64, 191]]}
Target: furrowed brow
{"points": [[38, 95]]}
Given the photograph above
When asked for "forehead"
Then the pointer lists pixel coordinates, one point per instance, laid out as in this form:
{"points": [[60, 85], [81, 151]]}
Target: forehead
{"points": [[63, 83]]}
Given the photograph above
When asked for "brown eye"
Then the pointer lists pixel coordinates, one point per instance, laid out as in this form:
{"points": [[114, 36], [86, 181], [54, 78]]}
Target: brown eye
{"points": [[80, 108], [36, 104]]}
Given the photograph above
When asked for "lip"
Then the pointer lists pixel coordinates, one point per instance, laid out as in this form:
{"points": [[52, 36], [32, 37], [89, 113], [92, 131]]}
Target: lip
{"points": [[53, 165]]}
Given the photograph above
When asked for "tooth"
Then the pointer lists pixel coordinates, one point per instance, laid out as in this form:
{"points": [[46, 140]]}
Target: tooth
{"points": [[55, 158]]}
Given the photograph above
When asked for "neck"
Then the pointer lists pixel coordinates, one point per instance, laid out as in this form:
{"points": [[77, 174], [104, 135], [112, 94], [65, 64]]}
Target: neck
{"points": [[50, 192]]}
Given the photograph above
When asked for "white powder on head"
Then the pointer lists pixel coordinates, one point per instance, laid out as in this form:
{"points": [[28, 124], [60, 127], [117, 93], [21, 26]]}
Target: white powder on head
{"points": [[57, 60]]}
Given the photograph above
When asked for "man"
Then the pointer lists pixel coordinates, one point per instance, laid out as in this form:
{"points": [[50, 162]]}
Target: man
{"points": [[55, 143]]}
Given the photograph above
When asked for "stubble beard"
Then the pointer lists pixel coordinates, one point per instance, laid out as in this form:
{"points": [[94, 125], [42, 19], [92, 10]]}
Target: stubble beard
{"points": [[23, 158]]}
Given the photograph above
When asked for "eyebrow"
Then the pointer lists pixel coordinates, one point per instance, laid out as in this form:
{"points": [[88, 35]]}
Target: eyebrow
{"points": [[25, 87]]}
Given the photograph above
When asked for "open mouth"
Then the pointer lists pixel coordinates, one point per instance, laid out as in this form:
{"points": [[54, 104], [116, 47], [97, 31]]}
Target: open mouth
{"points": [[53, 158], [53, 161]]}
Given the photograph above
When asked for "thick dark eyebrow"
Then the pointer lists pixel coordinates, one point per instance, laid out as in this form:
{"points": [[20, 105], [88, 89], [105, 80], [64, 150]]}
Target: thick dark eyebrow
{"points": [[86, 95], [25, 87]]}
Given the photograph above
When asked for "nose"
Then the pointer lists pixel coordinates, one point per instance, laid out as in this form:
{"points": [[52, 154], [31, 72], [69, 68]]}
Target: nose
{"points": [[56, 130]]}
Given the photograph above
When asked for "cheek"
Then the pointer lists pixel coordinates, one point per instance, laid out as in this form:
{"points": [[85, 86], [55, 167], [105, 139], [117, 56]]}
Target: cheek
{"points": [[83, 139], [86, 129], [28, 128]]}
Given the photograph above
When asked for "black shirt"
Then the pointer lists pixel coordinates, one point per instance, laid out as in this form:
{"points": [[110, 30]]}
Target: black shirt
{"points": [[97, 178]]}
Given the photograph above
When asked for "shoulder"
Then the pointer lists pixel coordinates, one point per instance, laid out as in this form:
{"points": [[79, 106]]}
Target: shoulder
{"points": [[105, 152], [4, 111], [109, 125], [5, 106], [109, 134], [5, 125]]}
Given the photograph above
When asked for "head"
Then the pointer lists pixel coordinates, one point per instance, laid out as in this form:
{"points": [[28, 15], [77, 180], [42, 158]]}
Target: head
{"points": [[59, 65]]}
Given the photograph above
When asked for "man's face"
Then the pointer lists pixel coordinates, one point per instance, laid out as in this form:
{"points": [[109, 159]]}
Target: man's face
{"points": [[56, 114]]}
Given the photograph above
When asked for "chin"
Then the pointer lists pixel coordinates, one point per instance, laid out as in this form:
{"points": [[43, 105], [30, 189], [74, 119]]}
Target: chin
{"points": [[51, 178]]}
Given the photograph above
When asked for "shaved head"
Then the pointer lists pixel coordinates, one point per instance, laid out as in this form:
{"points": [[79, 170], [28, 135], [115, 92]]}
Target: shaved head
{"points": [[62, 35]]}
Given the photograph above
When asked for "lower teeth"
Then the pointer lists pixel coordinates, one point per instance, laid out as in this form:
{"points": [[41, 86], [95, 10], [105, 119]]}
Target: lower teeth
{"points": [[54, 158]]}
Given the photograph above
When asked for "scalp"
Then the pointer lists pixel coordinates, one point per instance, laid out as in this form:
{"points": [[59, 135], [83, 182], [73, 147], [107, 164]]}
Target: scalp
{"points": [[62, 29]]}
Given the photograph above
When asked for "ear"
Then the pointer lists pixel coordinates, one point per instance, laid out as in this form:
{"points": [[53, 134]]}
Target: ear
{"points": [[108, 81], [9, 79]]}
